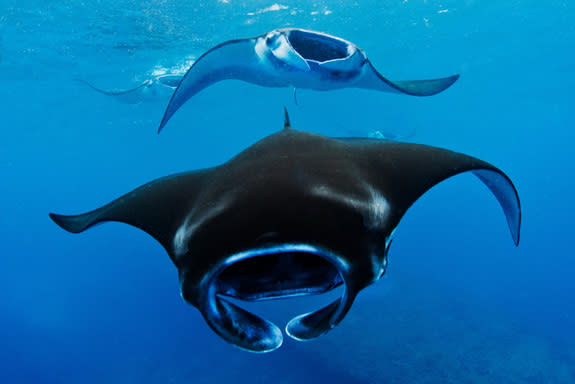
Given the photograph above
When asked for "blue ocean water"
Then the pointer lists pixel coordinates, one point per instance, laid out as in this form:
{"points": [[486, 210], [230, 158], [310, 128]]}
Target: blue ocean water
{"points": [[459, 303]]}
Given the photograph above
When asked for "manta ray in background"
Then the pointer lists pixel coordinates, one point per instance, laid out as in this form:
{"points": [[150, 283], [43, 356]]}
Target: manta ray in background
{"points": [[150, 89], [294, 214], [293, 57]]}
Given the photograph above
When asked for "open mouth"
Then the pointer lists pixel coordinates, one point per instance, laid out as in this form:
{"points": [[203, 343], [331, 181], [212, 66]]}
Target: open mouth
{"points": [[278, 275], [274, 272], [318, 47]]}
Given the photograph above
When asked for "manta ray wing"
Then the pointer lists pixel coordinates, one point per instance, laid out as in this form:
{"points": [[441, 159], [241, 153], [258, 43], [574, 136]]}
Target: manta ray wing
{"points": [[372, 79], [235, 59], [156, 207], [405, 171], [113, 92]]}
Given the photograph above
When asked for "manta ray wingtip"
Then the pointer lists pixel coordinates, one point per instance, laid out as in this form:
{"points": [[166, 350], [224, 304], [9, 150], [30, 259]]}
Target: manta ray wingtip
{"points": [[454, 78], [516, 232], [73, 224], [424, 87], [162, 124]]}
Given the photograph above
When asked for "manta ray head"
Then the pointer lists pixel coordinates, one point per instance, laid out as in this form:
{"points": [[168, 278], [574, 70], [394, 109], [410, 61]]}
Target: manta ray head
{"points": [[273, 271], [300, 240], [319, 55]]}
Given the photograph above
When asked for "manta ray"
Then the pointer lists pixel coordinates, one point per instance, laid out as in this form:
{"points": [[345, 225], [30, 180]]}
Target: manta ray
{"points": [[150, 89], [293, 57], [294, 214]]}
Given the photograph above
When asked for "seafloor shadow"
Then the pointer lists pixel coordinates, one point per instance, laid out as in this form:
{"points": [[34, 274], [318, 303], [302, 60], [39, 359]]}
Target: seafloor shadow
{"points": [[429, 333]]}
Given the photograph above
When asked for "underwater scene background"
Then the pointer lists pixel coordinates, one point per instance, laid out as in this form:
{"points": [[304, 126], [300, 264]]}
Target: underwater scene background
{"points": [[458, 304]]}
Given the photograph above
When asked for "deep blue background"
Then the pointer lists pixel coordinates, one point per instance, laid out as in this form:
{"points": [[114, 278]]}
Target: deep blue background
{"points": [[459, 304]]}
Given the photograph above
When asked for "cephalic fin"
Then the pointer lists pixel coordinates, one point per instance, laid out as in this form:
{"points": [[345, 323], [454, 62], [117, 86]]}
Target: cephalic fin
{"points": [[242, 328]]}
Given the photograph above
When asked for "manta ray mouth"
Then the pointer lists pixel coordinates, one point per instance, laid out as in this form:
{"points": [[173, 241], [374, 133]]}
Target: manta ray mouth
{"points": [[278, 272], [270, 272], [318, 47]]}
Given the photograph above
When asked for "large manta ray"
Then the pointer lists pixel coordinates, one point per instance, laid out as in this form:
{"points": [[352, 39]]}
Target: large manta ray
{"points": [[297, 58], [294, 214]]}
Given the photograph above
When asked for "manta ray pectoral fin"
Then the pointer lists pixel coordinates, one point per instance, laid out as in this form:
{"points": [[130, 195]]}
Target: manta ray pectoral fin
{"points": [[372, 79], [75, 223], [242, 328], [234, 59], [156, 208], [403, 172], [121, 92], [424, 87]]}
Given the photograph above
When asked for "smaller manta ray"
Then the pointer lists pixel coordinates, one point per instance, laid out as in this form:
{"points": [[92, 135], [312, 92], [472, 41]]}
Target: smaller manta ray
{"points": [[293, 57], [294, 214], [150, 89]]}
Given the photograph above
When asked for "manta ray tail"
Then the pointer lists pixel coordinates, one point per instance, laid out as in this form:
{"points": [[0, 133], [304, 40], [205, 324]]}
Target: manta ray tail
{"points": [[287, 124]]}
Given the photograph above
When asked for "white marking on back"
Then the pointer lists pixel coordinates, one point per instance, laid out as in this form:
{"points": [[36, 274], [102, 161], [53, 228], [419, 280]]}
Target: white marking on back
{"points": [[192, 222], [378, 210], [375, 208]]}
